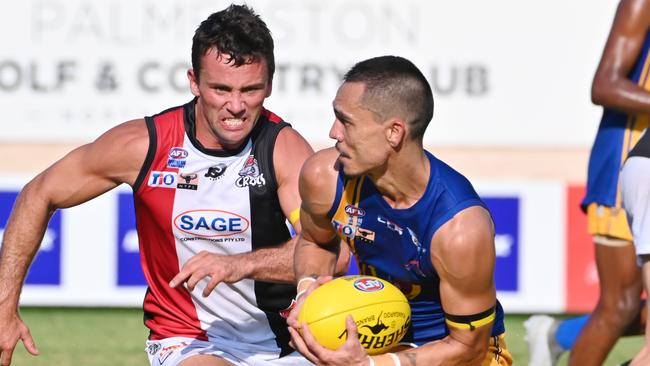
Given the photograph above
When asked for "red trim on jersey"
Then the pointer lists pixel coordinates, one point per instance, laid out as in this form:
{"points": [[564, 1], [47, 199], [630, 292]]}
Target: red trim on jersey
{"points": [[271, 116], [168, 312]]}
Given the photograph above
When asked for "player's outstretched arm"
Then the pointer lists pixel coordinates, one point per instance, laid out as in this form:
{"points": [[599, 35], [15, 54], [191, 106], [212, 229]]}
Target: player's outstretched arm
{"points": [[462, 252], [88, 171], [273, 264], [612, 87]]}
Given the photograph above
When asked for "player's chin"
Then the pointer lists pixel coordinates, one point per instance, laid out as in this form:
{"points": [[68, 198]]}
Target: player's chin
{"points": [[349, 169]]}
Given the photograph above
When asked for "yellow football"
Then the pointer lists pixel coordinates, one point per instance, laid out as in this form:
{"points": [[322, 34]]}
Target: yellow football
{"points": [[379, 309]]}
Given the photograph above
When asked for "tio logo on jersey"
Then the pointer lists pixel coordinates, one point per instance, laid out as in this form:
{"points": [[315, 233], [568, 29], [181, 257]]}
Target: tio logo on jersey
{"points": [[162, 179]]}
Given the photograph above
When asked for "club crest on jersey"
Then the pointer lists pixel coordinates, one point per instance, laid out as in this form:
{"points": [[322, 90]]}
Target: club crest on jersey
{"points": [[210, 223], [249, 175], [162, 179], [188, 181], [177, 157], [216, 172]]}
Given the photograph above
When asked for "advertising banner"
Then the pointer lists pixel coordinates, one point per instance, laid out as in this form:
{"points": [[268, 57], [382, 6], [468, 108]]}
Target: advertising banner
{"points": [[502, 74], [544, 257]]}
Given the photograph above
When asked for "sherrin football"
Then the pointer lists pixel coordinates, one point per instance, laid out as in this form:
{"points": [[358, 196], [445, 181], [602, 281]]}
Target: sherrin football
{"points": [[379, 309]]}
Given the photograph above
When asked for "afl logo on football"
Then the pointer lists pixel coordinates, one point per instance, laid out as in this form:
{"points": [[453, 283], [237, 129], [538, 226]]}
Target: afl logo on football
{"points": [[178, 153], [368, 284], [355, 211]]}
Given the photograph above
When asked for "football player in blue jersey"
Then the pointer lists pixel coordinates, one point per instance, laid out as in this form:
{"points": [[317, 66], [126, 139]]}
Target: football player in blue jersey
{"points": [[408, 217], [621, 86]]}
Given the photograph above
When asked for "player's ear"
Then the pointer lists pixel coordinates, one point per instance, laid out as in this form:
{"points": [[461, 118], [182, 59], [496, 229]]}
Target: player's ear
{"points": [[395, 132], [194, 82], [269, 89]]}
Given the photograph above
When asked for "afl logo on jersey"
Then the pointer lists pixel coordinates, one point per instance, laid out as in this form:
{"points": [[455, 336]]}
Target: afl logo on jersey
{"points": [[177, 157], [368, 284], [211, 223], [355, 211], [177, 153]]}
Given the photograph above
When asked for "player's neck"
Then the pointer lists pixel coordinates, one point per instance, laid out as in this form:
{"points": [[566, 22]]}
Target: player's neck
{"points": [[404, 180]]}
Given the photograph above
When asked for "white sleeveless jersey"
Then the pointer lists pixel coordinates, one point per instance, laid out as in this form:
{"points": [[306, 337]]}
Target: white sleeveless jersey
{"points": [[190, 199]]}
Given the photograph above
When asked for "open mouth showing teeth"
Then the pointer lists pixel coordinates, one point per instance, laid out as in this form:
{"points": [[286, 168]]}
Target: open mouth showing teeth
{"points": [[233, 122]]}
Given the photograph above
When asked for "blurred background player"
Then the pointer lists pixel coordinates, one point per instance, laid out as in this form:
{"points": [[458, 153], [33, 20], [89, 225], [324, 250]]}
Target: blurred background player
{"points": [[635, 192], [214, 182], [621, 85], [408, 217]]}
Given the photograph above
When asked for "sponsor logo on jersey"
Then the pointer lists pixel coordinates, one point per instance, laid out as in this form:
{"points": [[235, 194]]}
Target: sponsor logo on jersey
{"points": [[162, 179], [211, 223], [352, 210], [366, 284], [216, 172], [364, 235], [414, 239], [249, 175], [343, 230], [177, 157], [175, 163], [188, 181], [391, 225]]}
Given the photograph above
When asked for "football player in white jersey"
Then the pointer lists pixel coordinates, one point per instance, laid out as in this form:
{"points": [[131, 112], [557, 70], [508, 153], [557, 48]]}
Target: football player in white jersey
{"points": [[191, 322]]}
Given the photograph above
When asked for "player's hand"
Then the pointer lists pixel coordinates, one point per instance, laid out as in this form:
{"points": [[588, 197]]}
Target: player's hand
{"points": [[641, 358], [351, 353], [292, 320], [220, 268], [12, 328]]}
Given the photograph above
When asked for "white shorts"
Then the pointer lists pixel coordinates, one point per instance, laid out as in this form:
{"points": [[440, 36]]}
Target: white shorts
{"points": [[172, 351], [635, 190]]}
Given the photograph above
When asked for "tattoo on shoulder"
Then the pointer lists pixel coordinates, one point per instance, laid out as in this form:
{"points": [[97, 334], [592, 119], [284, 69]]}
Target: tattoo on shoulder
{"points": [[313, 275], [411, 356]]}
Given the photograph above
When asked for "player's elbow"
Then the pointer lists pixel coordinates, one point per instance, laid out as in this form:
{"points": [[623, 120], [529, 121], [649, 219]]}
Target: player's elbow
{"points": [[598, 96], [601, 91], [36, 194]]}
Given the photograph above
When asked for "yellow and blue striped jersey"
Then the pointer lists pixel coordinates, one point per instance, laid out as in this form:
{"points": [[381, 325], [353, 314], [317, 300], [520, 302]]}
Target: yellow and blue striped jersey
{"points": [[394, 244], [617, 134]]}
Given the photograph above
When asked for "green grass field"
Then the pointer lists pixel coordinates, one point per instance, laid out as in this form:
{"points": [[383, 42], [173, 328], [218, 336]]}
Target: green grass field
{"points": [[97, 337]]}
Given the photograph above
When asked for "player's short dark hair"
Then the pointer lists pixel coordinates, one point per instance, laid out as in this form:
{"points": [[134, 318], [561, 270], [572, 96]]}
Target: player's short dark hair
{"points": [[395, 87], [236, 32]]}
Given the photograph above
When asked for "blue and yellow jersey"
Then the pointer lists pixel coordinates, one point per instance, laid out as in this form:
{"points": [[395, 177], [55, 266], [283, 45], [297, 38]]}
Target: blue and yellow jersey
{"points": [[617, 134], [394, 244]]}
